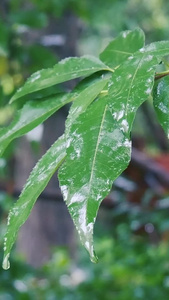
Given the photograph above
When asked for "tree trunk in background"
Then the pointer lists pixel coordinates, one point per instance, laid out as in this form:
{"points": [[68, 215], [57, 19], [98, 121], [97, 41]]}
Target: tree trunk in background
{"points": [[49, 224]]}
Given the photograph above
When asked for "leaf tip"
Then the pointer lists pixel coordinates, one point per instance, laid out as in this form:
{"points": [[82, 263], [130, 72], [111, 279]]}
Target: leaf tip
{"points": [[6, 263], [94, 258], [89, 247]]}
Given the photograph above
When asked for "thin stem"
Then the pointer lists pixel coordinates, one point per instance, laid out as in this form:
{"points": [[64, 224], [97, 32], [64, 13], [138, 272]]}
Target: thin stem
{"points": [[161, 74]]}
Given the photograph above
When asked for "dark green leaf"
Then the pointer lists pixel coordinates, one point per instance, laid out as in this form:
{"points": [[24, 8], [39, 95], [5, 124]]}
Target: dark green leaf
{"points": [[89, 88], [86, 97], [99, 144], [31, 115], [36, 112], [67, 69], [161, 102], [36, 183], [87, 174]]}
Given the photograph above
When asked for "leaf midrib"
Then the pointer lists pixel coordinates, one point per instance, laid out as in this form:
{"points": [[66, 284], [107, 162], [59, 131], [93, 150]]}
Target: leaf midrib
{"points": [[119, 51], [95, 154], [129, 92]]}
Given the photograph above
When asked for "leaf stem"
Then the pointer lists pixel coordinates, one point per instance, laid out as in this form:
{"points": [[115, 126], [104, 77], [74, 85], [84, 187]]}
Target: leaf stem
{"points": [[161, 74], [110, 70]]}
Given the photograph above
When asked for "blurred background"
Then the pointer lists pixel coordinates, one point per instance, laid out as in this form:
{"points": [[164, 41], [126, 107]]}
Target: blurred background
{"points": [[132, 228]]}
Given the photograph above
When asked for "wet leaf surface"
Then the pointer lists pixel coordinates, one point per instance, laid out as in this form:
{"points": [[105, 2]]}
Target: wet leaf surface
{"points": [[66, 69], [96, 146], [36, 183], [31, 115], [122, 47], [161, 102], [87, 174], [99, 146]]}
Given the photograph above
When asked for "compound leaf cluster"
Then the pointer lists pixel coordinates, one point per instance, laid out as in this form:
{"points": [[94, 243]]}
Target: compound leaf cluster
{"points": [[96, 146]]}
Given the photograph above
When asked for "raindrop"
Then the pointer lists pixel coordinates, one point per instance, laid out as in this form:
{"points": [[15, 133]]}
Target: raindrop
{"points": [[6, 263]]}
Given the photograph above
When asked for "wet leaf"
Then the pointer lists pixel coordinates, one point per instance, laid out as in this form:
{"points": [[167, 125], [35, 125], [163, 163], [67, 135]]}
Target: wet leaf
{"points": [[161, 102], [36, 183], [31, 115], [98, 129], [45, 168], [87, 174], [66, 69], [99, 146], [36, 112], [86, 97], [122, 47]]}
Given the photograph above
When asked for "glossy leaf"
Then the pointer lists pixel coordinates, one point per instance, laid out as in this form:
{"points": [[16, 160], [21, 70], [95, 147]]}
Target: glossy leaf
{"points": [[122, 47], [39, 178], [31, 115], [86, 97], [36, 112], [36, 183], [66, 69], [133, 81], [98, 128], [161, 102], [99, 144], [87, 174]]}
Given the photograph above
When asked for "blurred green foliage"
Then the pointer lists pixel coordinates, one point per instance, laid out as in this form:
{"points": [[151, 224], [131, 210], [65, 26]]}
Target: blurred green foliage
{"points": [[130, 268], [133, 261], [132, 265], [100, 21]]}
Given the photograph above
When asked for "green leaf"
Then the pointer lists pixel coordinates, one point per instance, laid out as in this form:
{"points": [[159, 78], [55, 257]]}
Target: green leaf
{"points": [[86, 176], [89, 93], [159, 49], [90, 87], [122, 47], [36, 112], [36, 183], [66, 69], [31, 115], [99, 144], [161, 102]]}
